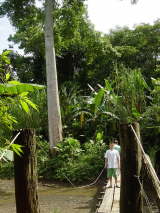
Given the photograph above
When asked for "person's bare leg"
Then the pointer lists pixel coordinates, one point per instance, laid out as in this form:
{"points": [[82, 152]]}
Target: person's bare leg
{"points": [[110, 181], [116, 182]]}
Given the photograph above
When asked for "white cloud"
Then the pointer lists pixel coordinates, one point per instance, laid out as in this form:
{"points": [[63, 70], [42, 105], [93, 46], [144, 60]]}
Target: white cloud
{"points": [[107, 14]]}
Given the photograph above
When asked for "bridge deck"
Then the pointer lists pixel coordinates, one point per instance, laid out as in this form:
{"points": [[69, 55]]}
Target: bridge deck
{"points": [[110, 202], [115, 208]]}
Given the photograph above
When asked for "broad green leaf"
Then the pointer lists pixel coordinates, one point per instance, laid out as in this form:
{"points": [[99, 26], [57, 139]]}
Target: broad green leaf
{"points": [[135, 113], [99, 136], [34, 106], [108, 85], [7, 76], [23, 94], [156, 81], [99, 96], [16, 88], [1, 89], [14, 82], [24, 106], [13, 119], [17, 149], [5, 59], [5, 53]]}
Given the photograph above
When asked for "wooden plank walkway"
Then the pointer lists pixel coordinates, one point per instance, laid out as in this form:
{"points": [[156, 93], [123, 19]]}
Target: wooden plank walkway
{"points": [[115, 208], [110, 202]]}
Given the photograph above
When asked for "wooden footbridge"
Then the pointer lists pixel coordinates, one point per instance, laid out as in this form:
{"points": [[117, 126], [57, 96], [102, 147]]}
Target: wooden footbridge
{"points": [[148, 185], [109, 200]]}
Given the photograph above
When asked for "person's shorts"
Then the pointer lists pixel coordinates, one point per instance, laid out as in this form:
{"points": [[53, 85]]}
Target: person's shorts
{"points": [[111, 172]]}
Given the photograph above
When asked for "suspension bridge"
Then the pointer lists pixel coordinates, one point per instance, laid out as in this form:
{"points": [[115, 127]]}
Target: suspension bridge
{"points": [[149, 184], [109, 201]]}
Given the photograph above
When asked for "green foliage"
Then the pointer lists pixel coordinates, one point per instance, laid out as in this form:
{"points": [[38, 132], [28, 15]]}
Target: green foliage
{"points": [[13, 94], [16, 88], [69, 148], [17, 149], [151, 117], [152, 114], [126, 58], [123, 98], [4, 67], [138, 48], [152, 153], [42, 156], [36, 117], [74, 109], [73, 162], [7, 170], [82, 53]]}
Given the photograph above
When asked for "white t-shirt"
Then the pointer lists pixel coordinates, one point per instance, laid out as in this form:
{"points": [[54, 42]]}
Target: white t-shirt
{"points": [[113, 157]]}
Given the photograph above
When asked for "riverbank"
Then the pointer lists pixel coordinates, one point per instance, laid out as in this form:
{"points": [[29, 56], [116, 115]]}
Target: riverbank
{"points": [[53, 198]]}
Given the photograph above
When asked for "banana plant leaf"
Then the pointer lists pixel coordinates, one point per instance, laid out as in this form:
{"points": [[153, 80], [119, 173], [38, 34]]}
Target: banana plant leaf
{"points": [[16, 88]]}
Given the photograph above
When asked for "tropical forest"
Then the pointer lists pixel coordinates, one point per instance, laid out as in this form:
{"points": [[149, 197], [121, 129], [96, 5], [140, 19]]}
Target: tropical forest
{"points": [[71, 93]]}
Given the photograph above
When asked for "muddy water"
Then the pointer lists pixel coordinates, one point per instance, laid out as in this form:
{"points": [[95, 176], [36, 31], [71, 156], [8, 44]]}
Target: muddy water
{"points": [[53, 198]]}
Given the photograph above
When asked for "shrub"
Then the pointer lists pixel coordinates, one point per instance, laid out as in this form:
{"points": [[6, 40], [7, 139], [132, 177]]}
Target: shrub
{"points": [[73, 162], [7, 170]]}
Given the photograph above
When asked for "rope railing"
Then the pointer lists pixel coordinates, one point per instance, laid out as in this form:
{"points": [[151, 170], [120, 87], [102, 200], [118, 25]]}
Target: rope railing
{"points": [[153, 176], [146, 159], [91, 184], [143, 193]]}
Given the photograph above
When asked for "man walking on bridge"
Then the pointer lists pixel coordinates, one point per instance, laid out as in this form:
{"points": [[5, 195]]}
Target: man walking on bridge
{"points": [[112, 163]]}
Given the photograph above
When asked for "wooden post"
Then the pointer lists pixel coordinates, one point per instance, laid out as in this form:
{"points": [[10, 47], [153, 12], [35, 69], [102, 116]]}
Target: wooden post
{"points": [[25, 168], [131, 159]]}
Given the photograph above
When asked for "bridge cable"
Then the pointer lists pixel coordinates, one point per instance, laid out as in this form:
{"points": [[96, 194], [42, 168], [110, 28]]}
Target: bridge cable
{"points": [[91, 184], [149, 205], [147, 166]]}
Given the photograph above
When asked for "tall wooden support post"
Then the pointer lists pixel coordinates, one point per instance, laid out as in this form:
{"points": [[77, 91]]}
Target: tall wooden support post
{"points": [[25, 168], [131, 160]]}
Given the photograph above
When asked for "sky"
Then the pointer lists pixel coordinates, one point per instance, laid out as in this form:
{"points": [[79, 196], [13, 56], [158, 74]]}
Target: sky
{"points": [[105, 15]]}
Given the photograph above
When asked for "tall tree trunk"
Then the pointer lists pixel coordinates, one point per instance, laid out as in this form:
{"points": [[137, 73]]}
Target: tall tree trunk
{"points": [[25, 168], [54, 115], [131, 160]]}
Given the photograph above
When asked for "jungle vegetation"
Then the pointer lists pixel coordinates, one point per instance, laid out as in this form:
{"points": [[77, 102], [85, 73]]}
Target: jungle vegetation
{"points": [[103, 80]]}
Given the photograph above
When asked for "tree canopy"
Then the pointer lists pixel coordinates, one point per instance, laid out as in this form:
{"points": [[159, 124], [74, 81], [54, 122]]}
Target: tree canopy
{"points": [[84, 57]]}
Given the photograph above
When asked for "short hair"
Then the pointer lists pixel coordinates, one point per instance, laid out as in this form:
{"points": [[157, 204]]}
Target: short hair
{"points": [[115, 141]]}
